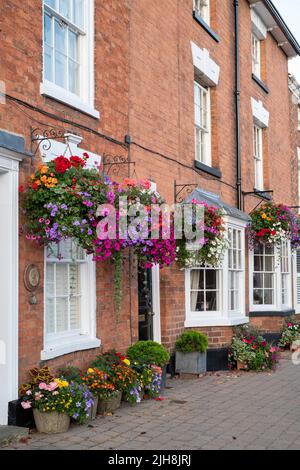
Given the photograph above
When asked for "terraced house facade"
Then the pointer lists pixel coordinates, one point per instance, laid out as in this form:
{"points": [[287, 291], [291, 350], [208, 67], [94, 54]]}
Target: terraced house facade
{"points": [[196, 96]]}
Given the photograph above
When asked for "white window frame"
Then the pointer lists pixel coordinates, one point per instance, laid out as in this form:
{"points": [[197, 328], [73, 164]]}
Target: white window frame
{"points": [[298, 160], [85, 100], [56, 344], [258, 157], [203, 129], [202, 8], [277, 306], [296, 276], [223, 316], [256, 55], [86, 338]]}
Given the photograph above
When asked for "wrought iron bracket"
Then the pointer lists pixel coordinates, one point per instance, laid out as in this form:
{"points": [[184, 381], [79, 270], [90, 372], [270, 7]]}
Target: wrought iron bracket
{"points": [[41, 138], [259, 194], [182, 190], [112, 164]]}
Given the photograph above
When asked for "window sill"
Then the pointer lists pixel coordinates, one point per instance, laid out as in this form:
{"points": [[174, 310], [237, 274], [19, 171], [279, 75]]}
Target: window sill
{"points": [[77, 343], [63, 96], [205, 26], [217, 321], [260, 83], [208, 169], [272, 313]]}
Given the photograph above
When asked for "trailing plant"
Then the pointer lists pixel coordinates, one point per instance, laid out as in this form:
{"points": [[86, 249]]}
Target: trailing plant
{"points": [[69, 373], [273, 223], [211, 247], [290, 333], [148, 352], [192, 341], [255, 353]]}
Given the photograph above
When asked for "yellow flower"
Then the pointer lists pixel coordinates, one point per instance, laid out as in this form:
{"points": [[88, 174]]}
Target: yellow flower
{"points": [[263, 216], [90, 371], [44, 169], [127, 362]]}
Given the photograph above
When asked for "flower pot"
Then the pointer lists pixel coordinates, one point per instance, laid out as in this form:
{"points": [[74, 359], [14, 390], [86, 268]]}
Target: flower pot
{"points": [[241, 365], [51, 422], [93, 408], [190, 363], [110, 404], [295, 346]]}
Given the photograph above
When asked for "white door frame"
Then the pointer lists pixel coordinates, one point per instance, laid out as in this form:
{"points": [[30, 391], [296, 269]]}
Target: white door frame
{"points": [[9, 233], [156, 303]]}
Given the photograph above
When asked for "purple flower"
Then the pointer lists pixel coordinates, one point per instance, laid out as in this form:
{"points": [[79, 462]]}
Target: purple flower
{"points": [[88, 203], [76, 223], [64, 206], [75, 415]]}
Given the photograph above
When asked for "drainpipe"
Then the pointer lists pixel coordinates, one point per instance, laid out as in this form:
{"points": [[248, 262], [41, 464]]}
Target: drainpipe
{"points": [[237, 93]]}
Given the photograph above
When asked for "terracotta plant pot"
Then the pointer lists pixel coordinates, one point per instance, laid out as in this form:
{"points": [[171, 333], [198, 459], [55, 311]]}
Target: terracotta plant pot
{"points": [[93, 409], [241, 365], [52, 422], [109, 405]]}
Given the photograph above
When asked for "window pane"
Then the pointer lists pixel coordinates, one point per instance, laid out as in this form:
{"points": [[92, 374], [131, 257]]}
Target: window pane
{"points": [[269, 263], [74, 272], [258, 249], [73, 77], [197, 279], [258, 296], [211, 301], [78, 12], [50, 316], [49, 279], [61, 315], [60, 37], [268, 297], [258, 263], [61, 279], [73, 53], [211, 279], [268, 281], [258, 280], [64, 8], [60, 69], [75, 313], [48, 30], [51, 3], [48, 61], [197, 301]]}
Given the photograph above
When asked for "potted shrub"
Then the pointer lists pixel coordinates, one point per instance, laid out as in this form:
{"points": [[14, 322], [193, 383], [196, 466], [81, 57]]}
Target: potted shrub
{"points": [[150, 353], [101, 386], [191, 352], [53, 405], [252, 353]]}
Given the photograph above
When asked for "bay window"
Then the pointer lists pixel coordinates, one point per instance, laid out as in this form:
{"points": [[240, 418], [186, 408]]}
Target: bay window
{"points": [[270, 270], [216, 295], [69, 300], [202, 124], [68, 47]]}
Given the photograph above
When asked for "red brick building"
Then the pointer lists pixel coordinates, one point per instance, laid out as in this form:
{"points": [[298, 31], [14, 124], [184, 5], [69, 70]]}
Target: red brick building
{"points": [[196, 95]]}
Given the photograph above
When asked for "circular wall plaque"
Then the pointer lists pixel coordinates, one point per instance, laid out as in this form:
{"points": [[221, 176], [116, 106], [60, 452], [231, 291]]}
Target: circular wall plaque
{"points": [[31, 277]]}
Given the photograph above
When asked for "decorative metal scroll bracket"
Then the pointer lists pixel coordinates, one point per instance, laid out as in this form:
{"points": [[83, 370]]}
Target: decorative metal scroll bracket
{"points": [[181, 191], [112, 164], [260, 194], [41, 138]]}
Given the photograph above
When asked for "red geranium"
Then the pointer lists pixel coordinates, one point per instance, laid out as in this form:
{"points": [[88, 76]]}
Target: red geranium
{"points": [[62, 164], [77, 161]]}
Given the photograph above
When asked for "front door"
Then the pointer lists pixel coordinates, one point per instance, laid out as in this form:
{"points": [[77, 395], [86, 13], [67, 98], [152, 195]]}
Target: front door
{"points": [[145, 304]]}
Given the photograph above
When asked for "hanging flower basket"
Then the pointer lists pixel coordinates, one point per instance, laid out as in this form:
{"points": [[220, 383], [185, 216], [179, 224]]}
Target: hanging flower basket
{"points": [[212, 245], [271, 224], [65, 200]]}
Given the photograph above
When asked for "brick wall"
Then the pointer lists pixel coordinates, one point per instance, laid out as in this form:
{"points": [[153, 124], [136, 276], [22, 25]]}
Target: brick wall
{"points": [[144, 86]]}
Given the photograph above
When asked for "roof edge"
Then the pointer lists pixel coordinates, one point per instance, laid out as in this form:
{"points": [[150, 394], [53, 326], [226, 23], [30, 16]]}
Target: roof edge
{"points": [[282, 25]]}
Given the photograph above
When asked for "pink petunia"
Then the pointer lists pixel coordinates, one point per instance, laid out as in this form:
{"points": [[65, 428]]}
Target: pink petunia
{"points": [[26, 405], [43, 386]]}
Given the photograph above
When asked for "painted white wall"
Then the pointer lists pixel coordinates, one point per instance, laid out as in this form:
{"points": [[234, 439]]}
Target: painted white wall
{"points": [[8, 280]]}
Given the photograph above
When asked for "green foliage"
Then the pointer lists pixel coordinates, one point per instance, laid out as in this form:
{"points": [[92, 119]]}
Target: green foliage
{"points": [[289, 334], [245, 331], [192, 341], [254, 352], [69, 373], [148, 352], [106, 361]]}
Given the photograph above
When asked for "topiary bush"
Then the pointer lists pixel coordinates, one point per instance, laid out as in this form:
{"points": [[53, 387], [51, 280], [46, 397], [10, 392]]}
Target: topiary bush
{"points": [[148, 352], [192, 341]]}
